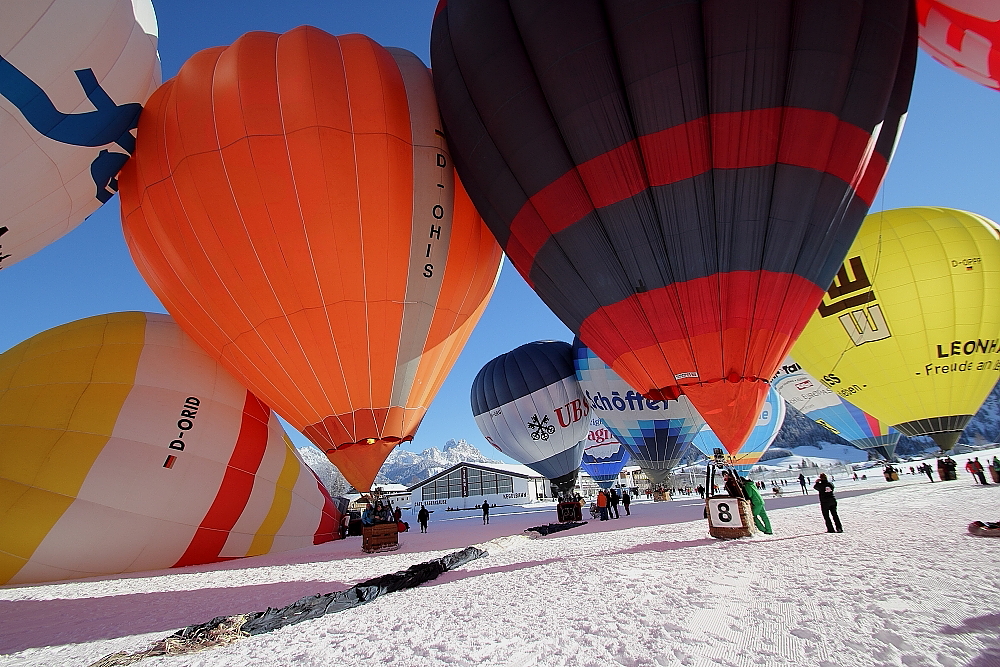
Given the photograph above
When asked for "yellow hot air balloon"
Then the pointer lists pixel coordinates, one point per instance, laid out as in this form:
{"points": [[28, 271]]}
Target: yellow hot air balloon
{"points": [[125, 447], [909, 331]]}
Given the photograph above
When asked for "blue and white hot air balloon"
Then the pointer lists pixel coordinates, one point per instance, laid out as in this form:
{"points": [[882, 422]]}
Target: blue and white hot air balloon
{"points": [[604, 455], [813, 399], [769, 422], [73, 77], [655, 433], [528, 405]]}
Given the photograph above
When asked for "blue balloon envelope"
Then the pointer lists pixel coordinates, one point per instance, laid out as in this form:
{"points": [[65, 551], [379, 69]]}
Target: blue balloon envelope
{"points": [[604, 455], [769, 422], [655, 433], [528, 405], [813, 399]]}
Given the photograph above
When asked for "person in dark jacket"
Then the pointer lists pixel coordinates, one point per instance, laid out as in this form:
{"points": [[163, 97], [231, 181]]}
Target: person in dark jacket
{"points": [[802, 483], [733, 486], [626, 501], [828, 504], [422, 517], [613, 504], [486, 512]]}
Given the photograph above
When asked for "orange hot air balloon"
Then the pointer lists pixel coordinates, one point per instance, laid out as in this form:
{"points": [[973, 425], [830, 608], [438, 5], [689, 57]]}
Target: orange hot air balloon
{"points": [[292, 203]]}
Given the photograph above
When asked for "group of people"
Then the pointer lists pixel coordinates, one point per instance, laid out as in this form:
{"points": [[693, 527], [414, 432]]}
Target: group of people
{"points": [[976, 469], [383, 513], [739, 487], [608, 500]]}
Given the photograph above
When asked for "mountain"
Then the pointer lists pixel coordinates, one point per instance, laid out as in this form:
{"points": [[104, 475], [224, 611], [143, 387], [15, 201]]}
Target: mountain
{"points": [[403, 467], [326, 471]]}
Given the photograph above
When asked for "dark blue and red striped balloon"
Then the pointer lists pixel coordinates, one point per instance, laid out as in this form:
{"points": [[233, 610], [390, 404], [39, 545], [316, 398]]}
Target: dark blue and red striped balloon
{"points": [[679, 180]]}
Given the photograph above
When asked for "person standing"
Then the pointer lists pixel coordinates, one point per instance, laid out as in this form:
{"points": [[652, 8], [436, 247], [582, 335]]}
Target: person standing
{"points": [[422, 517], [977, 467], [486, 512], [626, 501], [757, 507], [613, 509], [701, 491], [928, 471], [802, 483], [602, 505], [828, 504], [969, 468]]}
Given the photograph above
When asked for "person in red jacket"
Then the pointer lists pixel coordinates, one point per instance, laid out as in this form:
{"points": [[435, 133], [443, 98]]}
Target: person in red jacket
{"points": [[602, 505]]}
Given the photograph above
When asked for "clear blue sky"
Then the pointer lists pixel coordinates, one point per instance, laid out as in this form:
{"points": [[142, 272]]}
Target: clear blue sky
{"points": [[949, 155]]}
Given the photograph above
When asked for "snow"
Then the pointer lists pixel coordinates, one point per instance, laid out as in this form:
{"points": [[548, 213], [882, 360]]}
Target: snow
{"points": [[903, 585]]}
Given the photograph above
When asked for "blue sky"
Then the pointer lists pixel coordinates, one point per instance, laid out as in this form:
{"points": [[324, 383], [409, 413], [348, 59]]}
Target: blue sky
{"points": [[949, 155]]}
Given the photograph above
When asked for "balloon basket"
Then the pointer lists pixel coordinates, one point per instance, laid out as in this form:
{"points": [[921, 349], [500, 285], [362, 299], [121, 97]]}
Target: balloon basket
{"points": [[659, 496], [380, 537], [569, 511], [729, 518]]}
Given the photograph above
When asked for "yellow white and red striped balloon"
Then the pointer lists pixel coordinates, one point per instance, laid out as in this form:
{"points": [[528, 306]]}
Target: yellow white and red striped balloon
{"points": [[124, 447]]}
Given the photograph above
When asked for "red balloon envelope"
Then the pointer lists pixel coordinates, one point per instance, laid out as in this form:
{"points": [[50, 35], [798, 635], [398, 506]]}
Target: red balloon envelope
{"points": [[678, 181], [964, 35], [293, 205]]}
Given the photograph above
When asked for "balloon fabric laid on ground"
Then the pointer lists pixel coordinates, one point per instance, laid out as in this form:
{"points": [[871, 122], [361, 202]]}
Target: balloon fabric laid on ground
{"points": [[910, 329], [963, 35], [678, 181], [655, 433], [603, 455], [772, 416], [124, 447], [528, 405], [73, 77], [294, 207], [813, 399]]}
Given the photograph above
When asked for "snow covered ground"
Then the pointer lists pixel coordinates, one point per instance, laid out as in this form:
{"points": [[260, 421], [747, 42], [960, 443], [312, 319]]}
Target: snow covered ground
{"points": [[903, 585]]}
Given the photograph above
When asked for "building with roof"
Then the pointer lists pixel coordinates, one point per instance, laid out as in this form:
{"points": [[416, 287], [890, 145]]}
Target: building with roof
{"points": [[466, 485]]}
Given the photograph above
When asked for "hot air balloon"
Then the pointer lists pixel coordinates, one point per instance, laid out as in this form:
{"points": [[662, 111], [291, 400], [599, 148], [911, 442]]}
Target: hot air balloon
{"points": [[963, 35], [909, 330], [124, 447], [769, 422], [294, 207], [655, 433], [813, 399], [603, 455], [73, 77], [658, 171], [528, 405]]}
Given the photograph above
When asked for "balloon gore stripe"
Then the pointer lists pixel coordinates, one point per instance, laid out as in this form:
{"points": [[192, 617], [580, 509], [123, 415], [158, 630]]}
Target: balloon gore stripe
{"points": [[735, 140], [236, 486]]}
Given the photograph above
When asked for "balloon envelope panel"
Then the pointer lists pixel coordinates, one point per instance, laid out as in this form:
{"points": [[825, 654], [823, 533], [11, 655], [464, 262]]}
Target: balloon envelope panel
{"points": [[603, 455], [294, 206], [655, 433], [73, 77], [910, 329], [528, 405], [769, 422], [125, 447], [815, 400], [657, 170], [963, 35]]}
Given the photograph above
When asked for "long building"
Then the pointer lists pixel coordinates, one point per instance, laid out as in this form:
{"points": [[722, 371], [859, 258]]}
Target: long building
{"points": [[467, 485]]}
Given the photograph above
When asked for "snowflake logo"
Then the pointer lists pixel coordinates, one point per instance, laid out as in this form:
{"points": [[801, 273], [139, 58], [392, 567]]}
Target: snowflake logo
{"points": [[540, 430]]}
